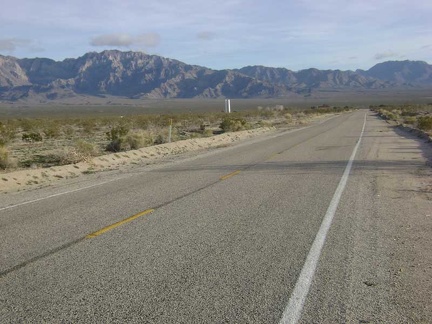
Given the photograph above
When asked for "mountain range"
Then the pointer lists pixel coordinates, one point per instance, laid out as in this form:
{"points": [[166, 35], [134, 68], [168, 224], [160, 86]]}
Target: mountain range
{"points": [[137, 75]]}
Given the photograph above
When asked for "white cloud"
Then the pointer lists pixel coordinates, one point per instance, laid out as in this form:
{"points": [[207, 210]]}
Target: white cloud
{"points": [[122, 40], [7, 45], [385, 55], [11, 44], [219, 34], [126, 40]]}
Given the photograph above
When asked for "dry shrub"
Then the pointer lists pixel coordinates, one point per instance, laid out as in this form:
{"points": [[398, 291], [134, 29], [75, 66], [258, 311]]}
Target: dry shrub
{"points": [[425, 123], [86, 149], [7, 133], [30, 125], [159, 139], [232, 124], [130, 141], [69, 131], [117, 137], [81, 151], [391, 116], [137, 140], [51, 130], [31, 137], [5, 160], [264, 123], [88, 126], [207, 132], [410, 120], [288, 117]]}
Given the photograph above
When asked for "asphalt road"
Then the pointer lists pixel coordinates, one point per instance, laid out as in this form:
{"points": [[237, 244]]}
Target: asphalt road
{"points": [[221, 237]]}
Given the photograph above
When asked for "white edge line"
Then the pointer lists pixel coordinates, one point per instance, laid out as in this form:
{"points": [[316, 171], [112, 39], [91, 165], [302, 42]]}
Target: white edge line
{"points": [[56, 195], [293, 311]]}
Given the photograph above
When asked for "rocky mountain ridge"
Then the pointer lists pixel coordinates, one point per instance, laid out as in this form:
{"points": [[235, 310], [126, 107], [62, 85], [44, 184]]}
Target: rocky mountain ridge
{"points": [[138, 75]]}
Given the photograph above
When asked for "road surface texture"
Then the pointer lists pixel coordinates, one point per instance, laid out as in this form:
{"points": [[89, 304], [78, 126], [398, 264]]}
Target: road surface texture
{"points": [[232, 235]]}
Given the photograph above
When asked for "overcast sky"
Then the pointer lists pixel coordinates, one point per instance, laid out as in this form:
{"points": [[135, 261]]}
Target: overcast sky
{"points": [[326, 34]]}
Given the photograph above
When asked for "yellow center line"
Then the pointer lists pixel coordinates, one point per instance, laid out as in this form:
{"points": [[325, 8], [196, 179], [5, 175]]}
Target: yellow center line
{"points": [[230, 175], [124, 221]]}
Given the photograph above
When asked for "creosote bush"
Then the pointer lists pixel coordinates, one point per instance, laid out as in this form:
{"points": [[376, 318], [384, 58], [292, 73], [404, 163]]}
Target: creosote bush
{"points": [[234, 124], [86, 149], [7, 133], [32, 137], [410, 120], [425, 123], [137, 140], [207, 132], [4, 157], [417, 115], [30, 125], [117, 136], [264, 123], [52, 130], [81, 151], [159, 140], [118, 132], [88, 126]]}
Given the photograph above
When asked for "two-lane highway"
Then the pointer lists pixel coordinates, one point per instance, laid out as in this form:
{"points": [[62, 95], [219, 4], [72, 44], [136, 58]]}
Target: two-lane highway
{"points": [[222, 237]]}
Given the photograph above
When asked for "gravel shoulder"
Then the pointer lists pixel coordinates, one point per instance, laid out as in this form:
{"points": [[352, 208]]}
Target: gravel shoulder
{"points": [[380, 241]]}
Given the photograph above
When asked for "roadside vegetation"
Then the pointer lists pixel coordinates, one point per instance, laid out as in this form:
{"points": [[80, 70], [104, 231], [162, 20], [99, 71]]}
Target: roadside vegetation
{"points": [[47, 142], [415, 116]]}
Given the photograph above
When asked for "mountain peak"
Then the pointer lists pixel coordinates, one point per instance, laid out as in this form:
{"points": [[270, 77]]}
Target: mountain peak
{"points": [[402, 72], [139, 75]]}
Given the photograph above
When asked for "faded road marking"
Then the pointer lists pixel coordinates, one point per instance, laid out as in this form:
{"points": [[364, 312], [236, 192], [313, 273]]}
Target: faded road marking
{"points": [[230, 175], [57, 195], [69, 244], [124, 221], [292, 312]]}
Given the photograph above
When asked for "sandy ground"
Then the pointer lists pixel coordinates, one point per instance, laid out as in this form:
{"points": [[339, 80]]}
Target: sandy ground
{"points": [[42, 177]]}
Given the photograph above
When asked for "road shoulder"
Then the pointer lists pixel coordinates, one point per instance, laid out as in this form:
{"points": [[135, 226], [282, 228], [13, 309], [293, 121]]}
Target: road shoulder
{"points": [[379, 245]]}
